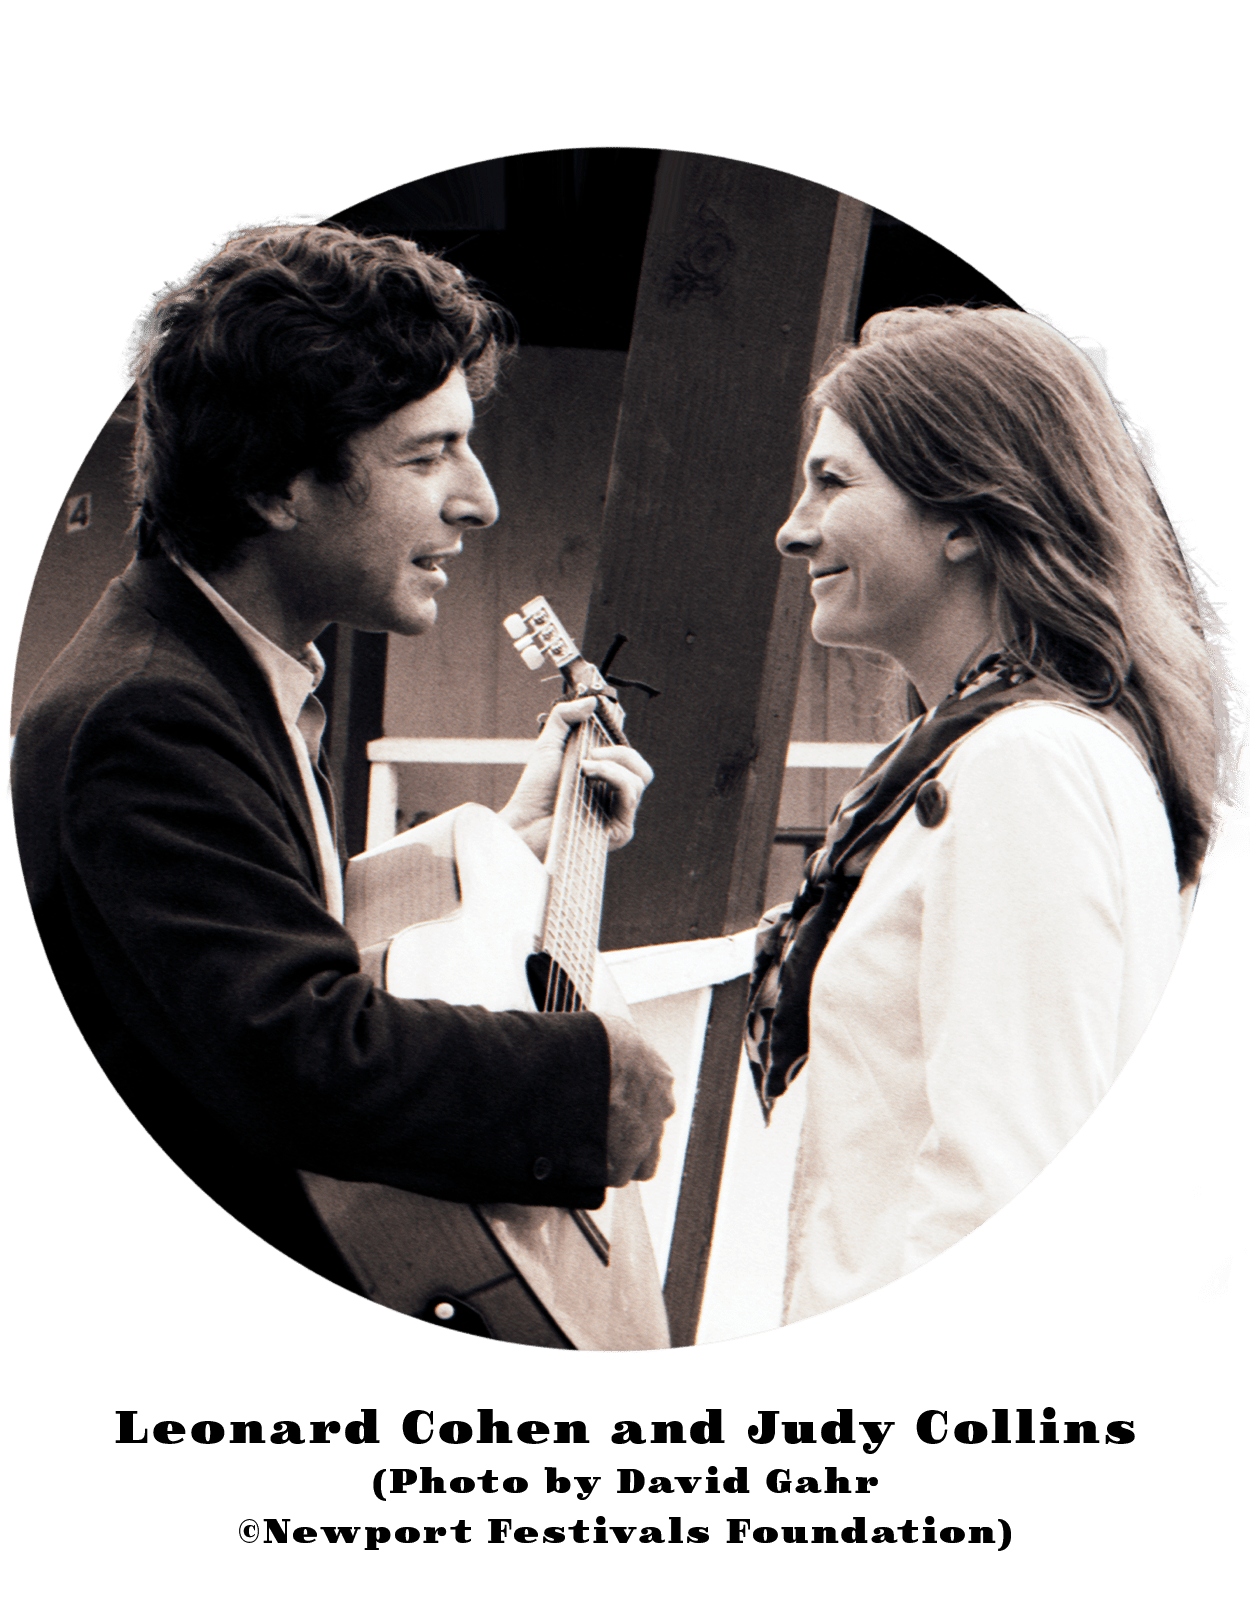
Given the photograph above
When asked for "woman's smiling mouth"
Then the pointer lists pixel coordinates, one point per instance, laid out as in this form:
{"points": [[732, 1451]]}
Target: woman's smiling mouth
{"points": [[822, 579]]}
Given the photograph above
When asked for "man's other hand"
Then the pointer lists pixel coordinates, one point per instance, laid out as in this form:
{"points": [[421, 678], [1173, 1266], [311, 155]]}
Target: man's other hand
{"points": [[640, 1098]]}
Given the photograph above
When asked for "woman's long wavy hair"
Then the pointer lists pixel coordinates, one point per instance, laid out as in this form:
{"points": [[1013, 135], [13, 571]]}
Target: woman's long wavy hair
{"points": [[991, 416]]}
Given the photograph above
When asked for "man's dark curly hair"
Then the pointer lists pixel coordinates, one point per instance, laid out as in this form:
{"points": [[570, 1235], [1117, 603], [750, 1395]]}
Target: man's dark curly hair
{"points": [[270, 358]]}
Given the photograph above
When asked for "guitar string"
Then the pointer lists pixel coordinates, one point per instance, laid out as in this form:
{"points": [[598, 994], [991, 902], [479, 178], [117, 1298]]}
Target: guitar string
{"points": [[556, 935], [560, 943], [573, 892], [573, 921], [591, 868], [577, 894]]}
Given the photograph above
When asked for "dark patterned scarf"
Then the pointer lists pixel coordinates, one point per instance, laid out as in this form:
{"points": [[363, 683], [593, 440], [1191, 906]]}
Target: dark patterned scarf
{"points": [[787, 951]]}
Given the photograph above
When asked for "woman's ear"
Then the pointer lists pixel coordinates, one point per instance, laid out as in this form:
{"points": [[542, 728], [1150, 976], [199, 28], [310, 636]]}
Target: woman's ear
{"points": [[960, 545], [277, 510]]}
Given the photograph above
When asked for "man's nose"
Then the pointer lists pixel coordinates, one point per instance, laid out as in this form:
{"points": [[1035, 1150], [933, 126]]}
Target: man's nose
{"points": [[473, 501]]}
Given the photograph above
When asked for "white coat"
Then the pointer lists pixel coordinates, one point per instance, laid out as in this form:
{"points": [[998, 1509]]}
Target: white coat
{"points": [[984, 987]]}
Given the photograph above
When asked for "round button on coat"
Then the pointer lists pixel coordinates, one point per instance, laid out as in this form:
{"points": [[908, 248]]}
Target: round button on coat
{"points": [[931, 803], [542, 1168]]}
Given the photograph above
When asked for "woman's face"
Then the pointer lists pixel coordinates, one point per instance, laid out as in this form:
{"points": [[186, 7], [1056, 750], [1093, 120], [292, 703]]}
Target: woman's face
{"points": [[882, 575]]}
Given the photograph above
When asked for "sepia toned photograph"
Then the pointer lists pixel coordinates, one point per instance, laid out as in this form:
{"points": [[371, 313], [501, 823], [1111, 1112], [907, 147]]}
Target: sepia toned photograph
{"points": [[613, 746]]}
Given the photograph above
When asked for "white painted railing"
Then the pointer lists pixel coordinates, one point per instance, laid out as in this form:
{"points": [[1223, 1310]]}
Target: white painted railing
{"points": [[669, 989], [389, 754]]}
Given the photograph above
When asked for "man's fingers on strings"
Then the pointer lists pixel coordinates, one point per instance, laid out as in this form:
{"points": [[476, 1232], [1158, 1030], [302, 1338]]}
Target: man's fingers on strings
{"points": [[627, 787], [565, 715], [623, 756]]}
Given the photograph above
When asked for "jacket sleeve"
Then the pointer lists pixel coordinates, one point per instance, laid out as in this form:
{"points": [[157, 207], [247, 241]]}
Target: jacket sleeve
{"points": [[191, 890]]}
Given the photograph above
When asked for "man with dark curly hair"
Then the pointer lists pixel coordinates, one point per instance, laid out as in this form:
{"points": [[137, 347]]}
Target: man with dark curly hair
{"points": [[303, 458]]}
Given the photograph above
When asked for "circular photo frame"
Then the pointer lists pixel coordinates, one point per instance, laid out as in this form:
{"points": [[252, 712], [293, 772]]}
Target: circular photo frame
{"points": [[981, 663]]}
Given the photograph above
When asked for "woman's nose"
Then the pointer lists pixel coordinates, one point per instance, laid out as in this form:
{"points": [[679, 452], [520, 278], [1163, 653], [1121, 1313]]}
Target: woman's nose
{"points": [[797, 535]]}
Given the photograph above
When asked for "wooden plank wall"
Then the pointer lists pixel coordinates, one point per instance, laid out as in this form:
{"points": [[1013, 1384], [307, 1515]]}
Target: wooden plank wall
{"points": [[79, 559]]}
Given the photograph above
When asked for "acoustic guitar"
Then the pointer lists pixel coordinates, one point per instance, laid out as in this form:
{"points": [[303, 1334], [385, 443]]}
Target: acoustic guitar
{"points": [[460, 910]]}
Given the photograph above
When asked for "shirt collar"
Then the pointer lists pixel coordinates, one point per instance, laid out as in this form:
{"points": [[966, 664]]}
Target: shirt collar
{"points": [[291, 678]]}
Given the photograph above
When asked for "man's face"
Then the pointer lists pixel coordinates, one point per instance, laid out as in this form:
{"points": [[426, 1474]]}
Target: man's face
{"points": [[369, 553]]}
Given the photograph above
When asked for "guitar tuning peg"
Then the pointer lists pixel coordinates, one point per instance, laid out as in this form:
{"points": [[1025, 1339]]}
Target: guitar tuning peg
{"points": [[515, 625], [532, 657]]}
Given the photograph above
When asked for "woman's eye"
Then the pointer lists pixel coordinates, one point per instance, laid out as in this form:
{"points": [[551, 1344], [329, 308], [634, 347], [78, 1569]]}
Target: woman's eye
{"points": [[830, 481]]}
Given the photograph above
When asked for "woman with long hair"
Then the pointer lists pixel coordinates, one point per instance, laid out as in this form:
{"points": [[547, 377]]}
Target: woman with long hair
{"points": [[979, 944]]}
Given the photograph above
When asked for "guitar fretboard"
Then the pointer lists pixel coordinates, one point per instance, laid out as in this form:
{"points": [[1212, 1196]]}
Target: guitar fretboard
{"points": [[577, 858]]}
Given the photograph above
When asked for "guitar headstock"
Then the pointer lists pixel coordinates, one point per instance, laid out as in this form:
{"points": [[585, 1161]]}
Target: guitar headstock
{"points": [[538, 636]]}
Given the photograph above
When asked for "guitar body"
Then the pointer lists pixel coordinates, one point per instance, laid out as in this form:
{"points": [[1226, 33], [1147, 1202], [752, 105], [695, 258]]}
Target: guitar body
{"points": [[468, 899]]}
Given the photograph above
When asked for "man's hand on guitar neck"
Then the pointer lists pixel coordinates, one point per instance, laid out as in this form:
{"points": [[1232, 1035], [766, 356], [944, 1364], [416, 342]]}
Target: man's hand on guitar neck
{"points": [[640, 1099], [532, 802]]}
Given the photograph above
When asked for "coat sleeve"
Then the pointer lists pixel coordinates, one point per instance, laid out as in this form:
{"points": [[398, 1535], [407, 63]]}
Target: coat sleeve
{"points": [[1021, 968], [190, 888]]}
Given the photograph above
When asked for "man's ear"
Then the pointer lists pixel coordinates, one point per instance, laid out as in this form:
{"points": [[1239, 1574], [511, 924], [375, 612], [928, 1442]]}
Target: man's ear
{"points": [[960, 545], [277, 510]]}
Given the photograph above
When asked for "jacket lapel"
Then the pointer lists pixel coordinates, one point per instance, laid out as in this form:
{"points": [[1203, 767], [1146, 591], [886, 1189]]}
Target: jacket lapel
{"points": [[168, 595]]}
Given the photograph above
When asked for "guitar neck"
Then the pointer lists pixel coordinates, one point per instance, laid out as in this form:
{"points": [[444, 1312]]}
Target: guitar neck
{"points": [[577, 861], [578, 853]]}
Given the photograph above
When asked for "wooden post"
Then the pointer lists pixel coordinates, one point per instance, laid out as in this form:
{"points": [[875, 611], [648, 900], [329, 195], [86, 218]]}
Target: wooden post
{"points": [[744, 277], [748, 279]]}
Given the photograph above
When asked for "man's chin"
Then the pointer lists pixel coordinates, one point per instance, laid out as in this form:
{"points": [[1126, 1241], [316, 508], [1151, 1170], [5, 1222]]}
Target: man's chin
{"points": [[412, 620]]}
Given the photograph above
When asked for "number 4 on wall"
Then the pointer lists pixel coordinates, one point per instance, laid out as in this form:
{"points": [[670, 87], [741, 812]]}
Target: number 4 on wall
{"points": [[77, 513]]}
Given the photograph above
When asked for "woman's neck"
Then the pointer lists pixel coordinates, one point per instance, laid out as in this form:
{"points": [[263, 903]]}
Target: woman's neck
{"points": [[936, 673]]}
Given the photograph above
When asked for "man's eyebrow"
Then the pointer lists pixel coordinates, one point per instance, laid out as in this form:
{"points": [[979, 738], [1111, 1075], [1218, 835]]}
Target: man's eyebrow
{"points": [[437, 436]]}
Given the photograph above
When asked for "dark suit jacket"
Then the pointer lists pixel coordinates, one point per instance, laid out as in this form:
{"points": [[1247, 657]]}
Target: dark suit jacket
{"points": [[171, 861]]}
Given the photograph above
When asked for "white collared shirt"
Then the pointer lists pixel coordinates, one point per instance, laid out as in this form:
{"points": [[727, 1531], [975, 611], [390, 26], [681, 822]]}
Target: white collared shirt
{"points": [[292, 681]]}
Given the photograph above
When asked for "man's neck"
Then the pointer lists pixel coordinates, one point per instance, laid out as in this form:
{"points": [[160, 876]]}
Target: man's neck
{"points": [[247, 588]]}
